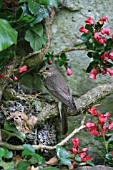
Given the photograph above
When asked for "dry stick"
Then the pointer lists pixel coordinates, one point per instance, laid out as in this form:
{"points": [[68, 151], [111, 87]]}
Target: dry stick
{"points": [[40, 146]]}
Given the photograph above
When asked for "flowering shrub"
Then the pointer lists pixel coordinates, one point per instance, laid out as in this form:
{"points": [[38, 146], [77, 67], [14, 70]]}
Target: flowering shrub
{"points": [[102, 130], [99, 42], [80, 155]]}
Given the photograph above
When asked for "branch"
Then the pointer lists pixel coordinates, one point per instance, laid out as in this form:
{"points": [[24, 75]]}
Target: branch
{"points": [[92, 97], [68, 50], [40, 146]]}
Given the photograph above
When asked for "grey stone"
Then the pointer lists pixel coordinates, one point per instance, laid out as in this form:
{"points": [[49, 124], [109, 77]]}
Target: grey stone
{"points": [[98, 167]]}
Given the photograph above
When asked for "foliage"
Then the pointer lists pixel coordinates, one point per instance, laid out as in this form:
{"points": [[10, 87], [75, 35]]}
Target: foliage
{"points": [[102, 130], [99, 44]]}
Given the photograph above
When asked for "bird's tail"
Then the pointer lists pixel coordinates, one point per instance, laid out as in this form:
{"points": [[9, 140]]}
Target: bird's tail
{"points": [[64, 121]]}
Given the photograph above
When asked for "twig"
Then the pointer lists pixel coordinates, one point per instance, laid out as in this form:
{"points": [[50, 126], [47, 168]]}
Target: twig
{"points": [[40, 146], [68, 50]]}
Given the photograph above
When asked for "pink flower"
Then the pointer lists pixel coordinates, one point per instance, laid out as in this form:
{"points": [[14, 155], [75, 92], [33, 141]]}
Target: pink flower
{"points": [[110, 71], [82, 154], [102, 118], [90, 125], [112, 37], [69, 71], [74, 150], [15, 78], [86, 158], [2, 75], [96, 36], [50, 62], [93, 73], [76, 142], [112, 153], [85, 149], [104, 19], [94, 132], [89, 21], [110, 126], [105, 31], [22, 69], [93, 111], [102, 40], [83, 29], [105, 56], [8, 67], [111, 55], [99, 38]]}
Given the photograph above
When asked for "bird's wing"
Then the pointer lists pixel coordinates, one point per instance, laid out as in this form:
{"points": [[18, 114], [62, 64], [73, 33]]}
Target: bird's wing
{"points": [[57, 86]]}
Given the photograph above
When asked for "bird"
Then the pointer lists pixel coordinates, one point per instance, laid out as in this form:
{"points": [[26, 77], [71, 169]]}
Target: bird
{"points": [[56, 84]]}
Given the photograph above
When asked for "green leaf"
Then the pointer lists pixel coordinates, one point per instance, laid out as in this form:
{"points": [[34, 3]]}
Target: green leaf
{"points": [[63, 155], [86, 36], [50, 168], [89, 45], [8, 35], [78, 158], [89, 162], [89, 27], [12, 128], [49, 2], [36, 42], [2, 152], [28, 148], [42, 13], [22, 165], [89, 68], [7, 165], [38, 29], [29, 151], [8, 154], [33, 7]]}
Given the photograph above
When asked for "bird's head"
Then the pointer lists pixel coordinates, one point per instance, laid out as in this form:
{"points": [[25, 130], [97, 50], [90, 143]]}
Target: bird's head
{"points": [[47, 70]]}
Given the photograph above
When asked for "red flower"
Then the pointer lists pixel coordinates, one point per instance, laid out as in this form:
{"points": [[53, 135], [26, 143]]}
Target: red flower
{"points": [[96, 36], [86, 158], [102, 40], [8, 67], [93, 111], [83, 29], [104, 19], [102, 118], [85, 149], [94, 131], [22, 69], [69, 71], [93, 73], [76, 142], [110, 71], [90, 125], [89, 21], [15, 78], [74, 150], [2, 75], [105, 31], [110, 126], [105, 55], [82, 154], [50, 62], [112, 153], [111, 55]]}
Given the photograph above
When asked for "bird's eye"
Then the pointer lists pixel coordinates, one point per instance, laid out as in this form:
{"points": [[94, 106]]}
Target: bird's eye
{"points": [[47, 68]]}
